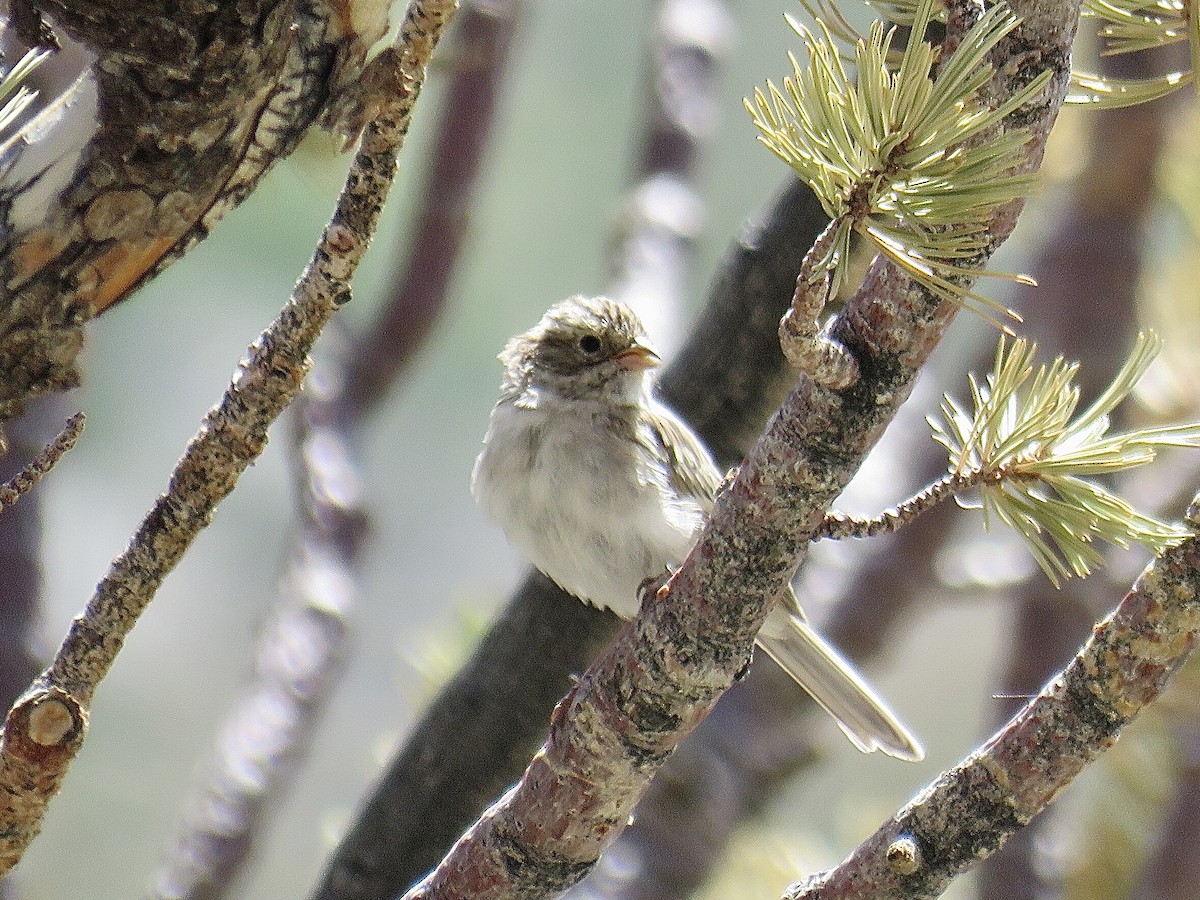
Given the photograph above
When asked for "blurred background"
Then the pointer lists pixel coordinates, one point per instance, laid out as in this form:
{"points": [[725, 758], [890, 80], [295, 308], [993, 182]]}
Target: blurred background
{"points": [[551, 193]]}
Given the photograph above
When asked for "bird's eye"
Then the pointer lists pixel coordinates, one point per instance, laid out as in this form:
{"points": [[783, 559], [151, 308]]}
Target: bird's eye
{"points": [[589, 344]]}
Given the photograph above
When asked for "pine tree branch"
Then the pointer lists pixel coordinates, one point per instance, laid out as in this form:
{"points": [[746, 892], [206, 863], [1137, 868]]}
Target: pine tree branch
{"points": [[479, 733], [840, 525], [182, 111], [317, 594], [694, 637], [45, 729], [20, 560], [968, 813]]}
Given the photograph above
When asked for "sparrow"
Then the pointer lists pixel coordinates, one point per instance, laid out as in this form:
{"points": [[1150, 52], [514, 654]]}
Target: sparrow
{"points": [[602, 486]]}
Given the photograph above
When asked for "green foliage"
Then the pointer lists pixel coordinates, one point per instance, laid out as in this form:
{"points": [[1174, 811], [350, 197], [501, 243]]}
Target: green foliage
{"points": [[1130, 26], [14, 95], [895, 153], [1032, 456]]}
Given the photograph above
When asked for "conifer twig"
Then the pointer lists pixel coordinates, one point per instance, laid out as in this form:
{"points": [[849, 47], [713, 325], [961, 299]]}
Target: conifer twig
{"points": [[1034, 460], [840, 525]]}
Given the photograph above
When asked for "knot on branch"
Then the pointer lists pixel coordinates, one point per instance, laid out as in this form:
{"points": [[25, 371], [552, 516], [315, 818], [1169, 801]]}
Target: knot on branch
{"points": [[904, 855], [47, 722]]}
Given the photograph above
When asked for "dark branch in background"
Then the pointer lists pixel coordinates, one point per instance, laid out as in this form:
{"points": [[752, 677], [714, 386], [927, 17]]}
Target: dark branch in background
{"points": [[481, 730], [1089, 274], [302, 646], [194, 103], [694, 636], [477, 61], [46, 727], [464, 746]]}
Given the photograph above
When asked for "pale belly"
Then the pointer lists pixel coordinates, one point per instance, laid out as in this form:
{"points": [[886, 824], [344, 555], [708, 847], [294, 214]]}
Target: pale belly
{"points": [[598, 536]]}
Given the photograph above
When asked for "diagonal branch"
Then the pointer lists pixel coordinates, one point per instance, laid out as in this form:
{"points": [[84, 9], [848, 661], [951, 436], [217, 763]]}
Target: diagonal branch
{"points": [[968, 813], [22, 483], [478, 734], [45, 729], [299, 656], [694, 636]]}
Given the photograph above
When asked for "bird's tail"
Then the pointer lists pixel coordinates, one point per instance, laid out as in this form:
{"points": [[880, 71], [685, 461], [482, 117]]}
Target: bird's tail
{"points": [[837, 687]]}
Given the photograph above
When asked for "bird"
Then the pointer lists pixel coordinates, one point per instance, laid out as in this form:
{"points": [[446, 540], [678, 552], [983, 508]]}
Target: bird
{"points": [[602, 486]]}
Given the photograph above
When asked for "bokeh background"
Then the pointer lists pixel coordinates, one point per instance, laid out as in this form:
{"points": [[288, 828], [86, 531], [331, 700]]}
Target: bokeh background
{"points": [[552, 189]]}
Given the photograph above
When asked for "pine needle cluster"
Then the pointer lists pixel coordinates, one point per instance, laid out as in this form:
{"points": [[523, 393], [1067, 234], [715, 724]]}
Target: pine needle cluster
{"points": [[1034, 459], [1129, 26], [895, 153], [15, 96]]}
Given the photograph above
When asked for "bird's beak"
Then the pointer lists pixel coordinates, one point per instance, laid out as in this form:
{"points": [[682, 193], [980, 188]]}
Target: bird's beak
{"points": [[637, 359]]}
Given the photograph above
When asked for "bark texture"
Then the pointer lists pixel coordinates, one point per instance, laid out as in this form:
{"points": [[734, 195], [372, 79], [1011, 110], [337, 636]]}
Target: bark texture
{"points": [[183, 110]]}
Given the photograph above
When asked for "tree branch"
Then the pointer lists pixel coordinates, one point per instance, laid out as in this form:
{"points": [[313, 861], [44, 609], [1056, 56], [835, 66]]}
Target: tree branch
{"points": [[694, 636], [299, 655], [183, 110], [968, 813], [481, 730], [45, 729]]}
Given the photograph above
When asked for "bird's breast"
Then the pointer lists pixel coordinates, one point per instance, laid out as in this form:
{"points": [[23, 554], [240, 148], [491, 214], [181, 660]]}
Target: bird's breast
{"points": [[587, 504]]}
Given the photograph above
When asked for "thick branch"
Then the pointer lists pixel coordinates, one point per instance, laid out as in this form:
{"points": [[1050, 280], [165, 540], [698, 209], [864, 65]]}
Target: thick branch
{"points": [[184, 108], [45, 729], [481, 730]]}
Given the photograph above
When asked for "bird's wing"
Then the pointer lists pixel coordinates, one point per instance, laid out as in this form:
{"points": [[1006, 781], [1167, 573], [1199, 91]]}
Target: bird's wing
{"points": [[692, 468]]}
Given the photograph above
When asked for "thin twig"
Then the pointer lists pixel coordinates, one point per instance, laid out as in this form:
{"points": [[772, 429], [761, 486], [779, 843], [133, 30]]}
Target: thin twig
{"points": [[45, 729], [840, 525], [22, 483]]}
